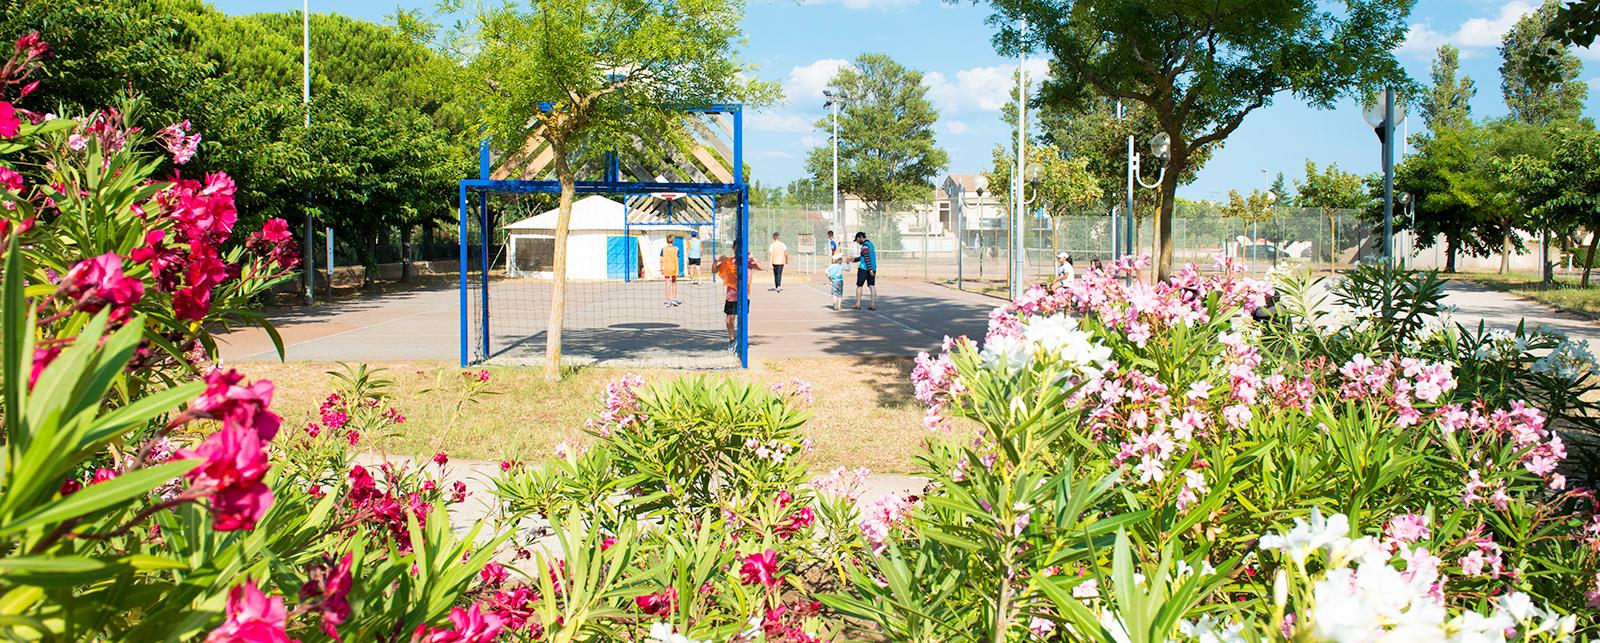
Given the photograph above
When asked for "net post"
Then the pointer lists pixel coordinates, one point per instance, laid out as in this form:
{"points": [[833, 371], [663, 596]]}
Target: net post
{"points": [[483, 235], [461, 211], [742, 252], [483, 263]]}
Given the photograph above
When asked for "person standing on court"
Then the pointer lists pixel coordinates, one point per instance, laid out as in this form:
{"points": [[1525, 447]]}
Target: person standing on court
{"points": [[833, 245], [778, 256], [694, 255], [669, 270], [866, 271]]}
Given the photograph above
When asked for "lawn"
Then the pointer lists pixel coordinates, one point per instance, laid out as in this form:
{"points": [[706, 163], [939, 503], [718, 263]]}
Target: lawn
{"points": [[1564, 293], [864, 413]]}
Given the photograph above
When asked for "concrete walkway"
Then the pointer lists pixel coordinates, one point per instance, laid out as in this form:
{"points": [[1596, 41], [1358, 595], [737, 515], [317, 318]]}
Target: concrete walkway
{"points": [[1498, 309]]}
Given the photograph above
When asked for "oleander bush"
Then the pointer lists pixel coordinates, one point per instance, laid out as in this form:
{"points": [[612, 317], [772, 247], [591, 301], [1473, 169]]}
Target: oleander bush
{"points": [[1210, 458]]}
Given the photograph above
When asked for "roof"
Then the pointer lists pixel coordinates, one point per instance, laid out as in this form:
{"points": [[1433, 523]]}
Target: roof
{"points": [[968, 183], [590, 214]]}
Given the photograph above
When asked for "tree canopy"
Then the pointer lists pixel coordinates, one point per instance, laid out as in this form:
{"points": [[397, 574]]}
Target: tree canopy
{"points": [[1202, 69], [1448, 102], [887, 150], [1539, 75]]}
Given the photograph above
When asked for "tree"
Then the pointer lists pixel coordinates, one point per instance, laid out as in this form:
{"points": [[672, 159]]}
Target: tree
{"points": [[1538, 74], [1330, 190], [1563, 190], [887, 150], [1452, 194], [1064, 184], [1280, 187], [591, 75], [1448, 102], [1201, 69]]}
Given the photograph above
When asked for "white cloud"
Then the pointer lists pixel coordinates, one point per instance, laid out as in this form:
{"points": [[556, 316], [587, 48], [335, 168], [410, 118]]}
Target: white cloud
{"points": [[956, 127], [810, 141], [1474, 34], [979, 88], [773, 121], [805, 83]]}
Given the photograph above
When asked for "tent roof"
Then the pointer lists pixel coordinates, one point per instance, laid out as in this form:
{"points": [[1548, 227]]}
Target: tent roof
{"points": [[590, 214]]}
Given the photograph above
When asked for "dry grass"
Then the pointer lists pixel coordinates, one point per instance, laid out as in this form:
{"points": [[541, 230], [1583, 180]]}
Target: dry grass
{"points": [[864, 413]]}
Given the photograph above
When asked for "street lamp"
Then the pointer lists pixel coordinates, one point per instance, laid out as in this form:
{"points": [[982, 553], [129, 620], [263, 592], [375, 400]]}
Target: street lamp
{"points": [[1382, 116], [1161, 148], [835, 99], [1411, 229], [980, 185]]}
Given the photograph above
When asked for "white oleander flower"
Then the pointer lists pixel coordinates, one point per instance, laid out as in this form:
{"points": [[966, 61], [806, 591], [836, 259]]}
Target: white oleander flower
{"points": [[1307, 537]]}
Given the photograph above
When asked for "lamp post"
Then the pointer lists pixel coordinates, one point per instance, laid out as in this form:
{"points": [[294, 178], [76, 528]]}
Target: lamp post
{"points": [[835, 99], [1019, 243], [1030, 176], [305, 98], [1411, 228], [1382, 116], [1161, 148], [980, 185]]}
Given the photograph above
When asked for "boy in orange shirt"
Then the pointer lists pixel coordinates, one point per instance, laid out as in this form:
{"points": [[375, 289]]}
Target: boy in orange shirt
{"points": [[669, 269]]}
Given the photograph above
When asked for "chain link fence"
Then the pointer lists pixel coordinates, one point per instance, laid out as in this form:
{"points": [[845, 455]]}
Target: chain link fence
{"points": [[923, 241]]}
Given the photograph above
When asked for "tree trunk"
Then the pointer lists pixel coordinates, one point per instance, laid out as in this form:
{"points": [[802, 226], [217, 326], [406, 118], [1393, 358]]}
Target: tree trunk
{"points": [[558, 269], [1169, 202], [1450, 251], [1505, 251], [1588, 262]]}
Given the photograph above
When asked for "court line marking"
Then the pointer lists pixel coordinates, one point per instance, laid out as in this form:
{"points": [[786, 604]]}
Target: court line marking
{"points": [[876, 313]]}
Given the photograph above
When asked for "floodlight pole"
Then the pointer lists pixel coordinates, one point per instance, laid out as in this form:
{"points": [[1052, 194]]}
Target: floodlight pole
{"points": [[1388, 176], [305, 98], [834, 98], [1018, 244]]}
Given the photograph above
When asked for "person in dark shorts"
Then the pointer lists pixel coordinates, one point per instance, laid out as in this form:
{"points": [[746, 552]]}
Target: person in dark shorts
{"points": [[727, 269], [866, 271], [694, 250]]}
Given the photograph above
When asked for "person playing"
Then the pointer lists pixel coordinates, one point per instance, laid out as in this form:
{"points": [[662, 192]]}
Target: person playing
{"points": [[1064, 269], [866, 271], [727, 269], [669, 269], [777, 255], [1095, 265], [694, 255], [833, 245], [836, 279]]}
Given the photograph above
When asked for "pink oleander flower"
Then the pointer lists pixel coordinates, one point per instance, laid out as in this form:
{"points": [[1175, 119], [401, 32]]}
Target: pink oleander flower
{"points": [[492, 574], [843, 483], [42, 357], [243, 407], [467, 626], [235, 463], [441, 458], [99, 282], [1594, 595], [327, 589], [251, 618], [179, 142], [760, 569], [10, 125], [1407, 528], [660, 604]]}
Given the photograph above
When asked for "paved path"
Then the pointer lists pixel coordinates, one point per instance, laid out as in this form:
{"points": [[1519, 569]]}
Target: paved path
{"points": [[1498, 309], [623, 324]]}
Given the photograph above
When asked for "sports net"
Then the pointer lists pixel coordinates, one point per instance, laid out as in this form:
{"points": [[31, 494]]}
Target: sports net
{"points": [[621, 307]]}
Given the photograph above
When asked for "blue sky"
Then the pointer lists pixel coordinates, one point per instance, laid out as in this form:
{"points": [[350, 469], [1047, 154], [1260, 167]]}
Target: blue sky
{"points": [[801, 44]]}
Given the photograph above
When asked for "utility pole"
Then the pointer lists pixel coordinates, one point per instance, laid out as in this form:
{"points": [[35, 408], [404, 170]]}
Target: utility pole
{"points": [[305, 97], [1018, 243], [834, 99]]}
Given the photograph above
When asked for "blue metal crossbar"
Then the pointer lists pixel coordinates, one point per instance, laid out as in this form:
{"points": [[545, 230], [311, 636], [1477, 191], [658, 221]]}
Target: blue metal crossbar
{"points": [[483, 186]]}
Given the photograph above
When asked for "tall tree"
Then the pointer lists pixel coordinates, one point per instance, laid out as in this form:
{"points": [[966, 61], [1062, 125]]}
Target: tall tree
{"points": [[1447, 103], [887, 150], [591, 75], [1539, 74], [1201, 69], [1454, 194], [1330, 190], [1562, 191], [1280, 187], [1063, 186]]}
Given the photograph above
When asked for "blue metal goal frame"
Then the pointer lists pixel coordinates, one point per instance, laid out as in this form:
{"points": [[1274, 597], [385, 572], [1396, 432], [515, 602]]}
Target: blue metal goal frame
{"points": [[612, 183]]}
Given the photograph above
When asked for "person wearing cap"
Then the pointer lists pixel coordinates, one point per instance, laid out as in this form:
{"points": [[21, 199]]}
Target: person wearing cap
{"points": [[1064, 269], [866, 271]]}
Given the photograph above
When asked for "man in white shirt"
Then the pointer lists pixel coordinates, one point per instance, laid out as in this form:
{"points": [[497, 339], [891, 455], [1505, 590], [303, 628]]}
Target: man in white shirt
{"points": [[694, 250], [778, 256]]}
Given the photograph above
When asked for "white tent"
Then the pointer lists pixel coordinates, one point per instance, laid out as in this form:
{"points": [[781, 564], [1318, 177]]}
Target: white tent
{"points": [[597, 246]]}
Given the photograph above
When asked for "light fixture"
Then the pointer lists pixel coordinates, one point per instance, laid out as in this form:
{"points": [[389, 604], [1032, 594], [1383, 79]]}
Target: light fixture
{"points": [[981, 184], [1161, 146], [1034, 172]]}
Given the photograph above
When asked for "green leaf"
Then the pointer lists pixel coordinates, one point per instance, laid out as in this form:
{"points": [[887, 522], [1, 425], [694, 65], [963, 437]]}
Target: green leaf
{"points": [[96, 497]]}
